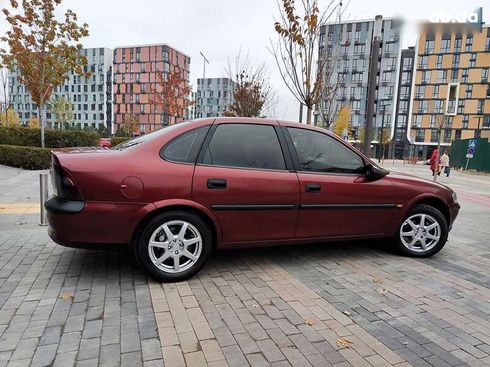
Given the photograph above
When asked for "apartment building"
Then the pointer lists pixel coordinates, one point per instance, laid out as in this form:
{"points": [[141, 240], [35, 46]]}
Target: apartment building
{"points": [[347, 48], [451, 86], [135, 83], [400, 142], [213, 96], [91, 97]]}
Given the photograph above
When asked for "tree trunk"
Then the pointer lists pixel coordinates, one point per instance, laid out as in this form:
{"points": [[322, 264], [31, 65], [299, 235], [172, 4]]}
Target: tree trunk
{"points": [[41, 123], [300, 112], [309, 112]]}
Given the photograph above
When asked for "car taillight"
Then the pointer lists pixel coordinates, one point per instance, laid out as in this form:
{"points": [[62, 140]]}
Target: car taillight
{"points": [[63, 185]]}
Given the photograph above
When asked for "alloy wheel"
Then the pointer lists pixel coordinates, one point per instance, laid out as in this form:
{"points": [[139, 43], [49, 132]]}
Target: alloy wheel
{"points": [[175, 246], [420, 232]]}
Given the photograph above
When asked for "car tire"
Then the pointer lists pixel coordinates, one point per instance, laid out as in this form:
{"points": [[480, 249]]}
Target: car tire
{"points": [[415, 238], [170, 253]]}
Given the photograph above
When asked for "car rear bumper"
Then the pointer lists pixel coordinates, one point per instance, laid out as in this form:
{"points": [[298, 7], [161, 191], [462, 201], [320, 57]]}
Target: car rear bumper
{"points": [[83, 224]]}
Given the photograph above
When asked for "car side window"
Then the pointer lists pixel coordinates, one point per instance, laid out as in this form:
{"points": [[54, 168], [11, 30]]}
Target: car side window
{"points": [[245, 145], [185, 147], [319, 152]]}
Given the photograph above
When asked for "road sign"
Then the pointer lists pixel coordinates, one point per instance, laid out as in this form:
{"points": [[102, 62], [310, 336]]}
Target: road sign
{"points": [[471, 148]]}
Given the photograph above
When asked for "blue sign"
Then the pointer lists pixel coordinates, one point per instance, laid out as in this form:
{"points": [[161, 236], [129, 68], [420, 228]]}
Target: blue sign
{"points": [[471, 148]]}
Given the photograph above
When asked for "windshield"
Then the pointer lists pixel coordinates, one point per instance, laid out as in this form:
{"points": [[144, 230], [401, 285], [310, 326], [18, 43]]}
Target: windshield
{"points": [[150, 136]]}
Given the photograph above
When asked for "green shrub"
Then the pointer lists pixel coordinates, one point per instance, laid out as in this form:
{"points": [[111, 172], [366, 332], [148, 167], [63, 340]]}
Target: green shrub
{"points": [[25, 157], [115, 140], [31, 137]]}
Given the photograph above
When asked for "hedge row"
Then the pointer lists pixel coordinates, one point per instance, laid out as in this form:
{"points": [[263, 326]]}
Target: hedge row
{"points": [[118, 140], [25, 157], [22, 136]]}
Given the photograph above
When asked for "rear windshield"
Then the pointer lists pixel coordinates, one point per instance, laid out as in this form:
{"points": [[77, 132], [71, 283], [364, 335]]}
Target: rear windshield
{"points": [[150, 136]]}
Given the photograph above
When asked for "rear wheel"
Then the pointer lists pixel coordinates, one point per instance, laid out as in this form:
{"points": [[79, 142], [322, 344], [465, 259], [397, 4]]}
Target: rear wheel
{"points": [[422, 233], [174, 246]]}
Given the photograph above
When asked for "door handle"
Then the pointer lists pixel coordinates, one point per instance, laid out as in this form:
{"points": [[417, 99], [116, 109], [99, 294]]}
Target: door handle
{"points": [[216, 183], [313, 187]]}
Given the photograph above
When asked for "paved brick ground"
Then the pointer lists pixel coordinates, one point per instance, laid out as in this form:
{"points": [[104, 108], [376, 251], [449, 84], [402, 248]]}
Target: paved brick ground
{"points": [[344, 304]]}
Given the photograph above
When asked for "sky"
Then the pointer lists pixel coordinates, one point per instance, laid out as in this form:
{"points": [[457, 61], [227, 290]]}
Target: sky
{"points": [[221, 28]]}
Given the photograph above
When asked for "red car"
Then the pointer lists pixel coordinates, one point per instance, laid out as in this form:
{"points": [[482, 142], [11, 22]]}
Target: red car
{"points": [[178, 193]]}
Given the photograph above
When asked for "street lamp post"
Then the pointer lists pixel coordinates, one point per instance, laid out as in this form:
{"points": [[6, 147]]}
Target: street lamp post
{"points": [[381, 150]]}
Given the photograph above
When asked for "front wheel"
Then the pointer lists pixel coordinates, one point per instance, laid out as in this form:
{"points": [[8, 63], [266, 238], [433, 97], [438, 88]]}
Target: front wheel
{"points": [[174, 246], [422, 233]]}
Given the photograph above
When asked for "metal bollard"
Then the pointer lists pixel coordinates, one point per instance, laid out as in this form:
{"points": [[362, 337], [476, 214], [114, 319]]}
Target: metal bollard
{"points": [[43, 191]]}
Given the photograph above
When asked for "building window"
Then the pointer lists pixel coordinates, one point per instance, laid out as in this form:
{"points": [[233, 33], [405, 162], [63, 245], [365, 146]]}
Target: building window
{"points": [[441, 76], [420, 136], [359, 49], [355, 105], [434, 135], [389, 47], [456, 58], [429, 46], [435, 91], [473, 60], [445, 45], [464, 76], [404, 92], [447, 136], [486, 122], [454, 75], [406, 77], [461, 106], [484, 75], [417, 120], [386, 77], [420, 91], [469, 91], [465, 121], [423, 106], [469, 43], [432, 121], [457, 45], [426, 75], [423, 62], [403, 107], [481, 103], [438, 106], [407, 63], [439, 61]]}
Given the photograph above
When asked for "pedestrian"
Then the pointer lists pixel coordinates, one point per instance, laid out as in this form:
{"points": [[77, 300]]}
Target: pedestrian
{"points": [[445, 163], [434, 162]]}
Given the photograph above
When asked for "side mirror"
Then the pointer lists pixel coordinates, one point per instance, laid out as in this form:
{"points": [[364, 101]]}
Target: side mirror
{"points": [[374, 173]]}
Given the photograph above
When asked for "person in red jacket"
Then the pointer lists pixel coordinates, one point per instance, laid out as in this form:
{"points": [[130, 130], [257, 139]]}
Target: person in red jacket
{"points": [[434, 162]]}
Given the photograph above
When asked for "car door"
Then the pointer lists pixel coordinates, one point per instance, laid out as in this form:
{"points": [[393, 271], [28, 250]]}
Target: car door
{"points": [[337, 200], [243, 176]]}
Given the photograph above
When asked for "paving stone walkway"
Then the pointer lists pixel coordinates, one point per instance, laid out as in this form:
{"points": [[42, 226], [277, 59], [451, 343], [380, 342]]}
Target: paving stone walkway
{"points": [[338, 304]]}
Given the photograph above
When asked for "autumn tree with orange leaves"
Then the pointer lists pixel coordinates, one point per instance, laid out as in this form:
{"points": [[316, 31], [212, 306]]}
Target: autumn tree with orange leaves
{"points": [[42, 48], [252, 93], [172, 93]]}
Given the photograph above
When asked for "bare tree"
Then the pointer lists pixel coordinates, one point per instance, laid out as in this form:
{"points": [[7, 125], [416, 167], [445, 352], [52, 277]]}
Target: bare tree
{"points": [[7, 92], [252, 93], [300, 64]]}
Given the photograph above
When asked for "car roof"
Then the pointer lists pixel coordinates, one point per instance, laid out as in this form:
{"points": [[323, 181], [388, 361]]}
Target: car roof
{"points": [[258, 120]]}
